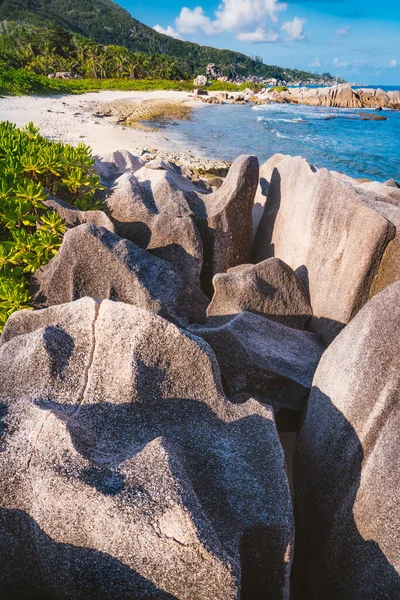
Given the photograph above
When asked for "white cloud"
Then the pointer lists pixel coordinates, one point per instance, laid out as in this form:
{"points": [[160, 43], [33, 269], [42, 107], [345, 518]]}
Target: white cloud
{"points": [[339, 64], [315, 63], [343, 30], [259, 35], [233, 15], [190, 21], [294, 29], [168, 31], [393, 64], [239, 16]]}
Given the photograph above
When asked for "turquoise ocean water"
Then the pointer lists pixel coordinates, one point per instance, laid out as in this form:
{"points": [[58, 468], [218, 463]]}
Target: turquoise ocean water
{"points": [[327, 137]]}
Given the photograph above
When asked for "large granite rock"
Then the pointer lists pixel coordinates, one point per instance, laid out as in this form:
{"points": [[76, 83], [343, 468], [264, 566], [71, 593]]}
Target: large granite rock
{"points": [[266, 170], [262, 359], [223, 217], [113, 164], [384, 199], [94, 262], [386, 202], [125, 472], [150, 209], [391, 183], [340, 95], [74, 217], [320, 226], [394, 98], [347, 466], [270, 288]]}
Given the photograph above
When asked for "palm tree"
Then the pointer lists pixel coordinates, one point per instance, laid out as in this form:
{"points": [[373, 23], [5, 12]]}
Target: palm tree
{"points": [[24, 54], [134, 65]]}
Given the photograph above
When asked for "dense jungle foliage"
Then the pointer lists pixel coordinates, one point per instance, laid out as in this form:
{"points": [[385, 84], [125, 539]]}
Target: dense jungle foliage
{"points": [[53, 49], [109, 24], [31, 168]]}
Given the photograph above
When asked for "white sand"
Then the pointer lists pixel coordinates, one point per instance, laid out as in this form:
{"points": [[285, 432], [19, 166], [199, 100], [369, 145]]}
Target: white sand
{"points": [[63, 118]]}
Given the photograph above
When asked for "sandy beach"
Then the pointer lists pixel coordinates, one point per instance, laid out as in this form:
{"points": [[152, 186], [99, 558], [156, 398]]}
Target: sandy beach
{"points": [[67, 118]]}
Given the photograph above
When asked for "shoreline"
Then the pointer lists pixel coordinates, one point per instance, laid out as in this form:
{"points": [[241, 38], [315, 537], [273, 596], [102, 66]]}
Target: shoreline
{"points": [[67, 118], [70, 119]]}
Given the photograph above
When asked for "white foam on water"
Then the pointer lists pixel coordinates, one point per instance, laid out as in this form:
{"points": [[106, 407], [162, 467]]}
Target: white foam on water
{"points": [[275, 120], [280, 135]]}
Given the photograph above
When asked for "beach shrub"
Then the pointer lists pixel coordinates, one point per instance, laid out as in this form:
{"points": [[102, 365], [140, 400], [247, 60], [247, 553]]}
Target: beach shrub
{"points": [[227, 86], [278, 88], [31, 168], [20, 82]]}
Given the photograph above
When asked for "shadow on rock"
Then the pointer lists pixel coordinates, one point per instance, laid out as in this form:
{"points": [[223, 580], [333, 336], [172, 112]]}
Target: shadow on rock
{"points": [[60, 566], [332, 560], [59, 346]]}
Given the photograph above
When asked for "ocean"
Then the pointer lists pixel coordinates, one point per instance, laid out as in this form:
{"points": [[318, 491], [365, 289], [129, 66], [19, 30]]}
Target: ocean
{"points": [[335, 138]]}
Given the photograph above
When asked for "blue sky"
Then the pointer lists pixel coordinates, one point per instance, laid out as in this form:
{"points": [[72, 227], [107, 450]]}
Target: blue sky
{"points": [[357, 39]]}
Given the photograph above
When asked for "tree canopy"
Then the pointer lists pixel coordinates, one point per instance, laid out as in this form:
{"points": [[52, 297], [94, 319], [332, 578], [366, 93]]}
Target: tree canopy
{"points": [[109, 24]]}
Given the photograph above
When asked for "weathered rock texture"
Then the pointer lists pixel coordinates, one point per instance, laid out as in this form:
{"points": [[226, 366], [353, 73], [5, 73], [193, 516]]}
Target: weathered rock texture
{"points": [[73, 217], [386, 202], [125, 471], [270, 288], [322, 227], [149, 208], [94, 262], [223, 218], [266, 170], [347, 465], [384, 198], [262, 359], [112, 165], [340, 96]]}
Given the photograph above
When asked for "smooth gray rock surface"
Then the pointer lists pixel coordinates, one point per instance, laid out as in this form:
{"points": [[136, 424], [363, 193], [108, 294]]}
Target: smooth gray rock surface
{"points": [[262, 359], [320, 226], [126, 473], [270, 289], [347, 463], [95, 262]]}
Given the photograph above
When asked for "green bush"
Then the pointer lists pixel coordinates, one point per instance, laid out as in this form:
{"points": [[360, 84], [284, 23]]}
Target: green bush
{"points": [[31, 168], [19, 82], [278, 88], [227, 86]]}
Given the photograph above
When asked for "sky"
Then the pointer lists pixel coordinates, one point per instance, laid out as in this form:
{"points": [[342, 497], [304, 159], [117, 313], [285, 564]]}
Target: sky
{"points": [[358, 40]]}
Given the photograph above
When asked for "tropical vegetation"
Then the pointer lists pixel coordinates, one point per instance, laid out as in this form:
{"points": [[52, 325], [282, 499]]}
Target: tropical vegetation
{"points": [[48, 50], [109, 24], [31, 168], [278, 88]]}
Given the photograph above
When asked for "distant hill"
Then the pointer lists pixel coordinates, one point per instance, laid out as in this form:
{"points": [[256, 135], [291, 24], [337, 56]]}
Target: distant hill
{"points": [[108, 23]]}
